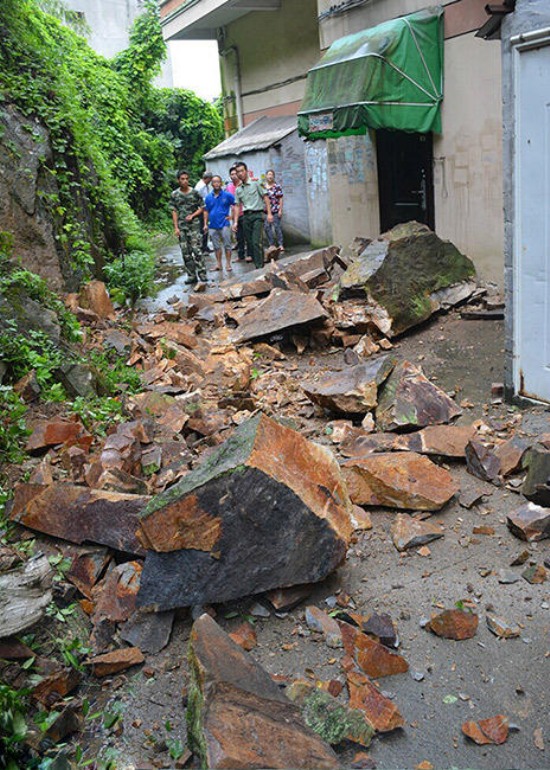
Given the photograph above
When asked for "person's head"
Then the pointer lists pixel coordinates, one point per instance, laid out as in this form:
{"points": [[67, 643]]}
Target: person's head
{"points": [[183, 178], [270, 176], [207, 177], [233, 175], [242, 170], [216, 182]]}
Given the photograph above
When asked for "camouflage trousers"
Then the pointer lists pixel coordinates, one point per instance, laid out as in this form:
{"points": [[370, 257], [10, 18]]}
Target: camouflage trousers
{"points": [[191, 247]]}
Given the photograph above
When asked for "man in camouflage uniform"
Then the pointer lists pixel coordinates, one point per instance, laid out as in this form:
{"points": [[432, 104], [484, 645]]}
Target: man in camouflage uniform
{"points": [[187, 207]]}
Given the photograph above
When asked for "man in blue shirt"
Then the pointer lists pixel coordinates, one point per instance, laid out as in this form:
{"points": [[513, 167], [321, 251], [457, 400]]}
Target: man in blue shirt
{"points": [[218, 208]]}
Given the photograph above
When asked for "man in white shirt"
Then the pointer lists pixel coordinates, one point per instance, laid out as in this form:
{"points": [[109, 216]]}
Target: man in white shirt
{"points": [[204, 187]]}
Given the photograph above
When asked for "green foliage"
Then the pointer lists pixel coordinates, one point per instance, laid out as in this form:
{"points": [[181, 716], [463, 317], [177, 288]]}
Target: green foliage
{"points": [[97, 414], [13, 429], [132, 274], [35, 350], [113, 374], [13, 726]]}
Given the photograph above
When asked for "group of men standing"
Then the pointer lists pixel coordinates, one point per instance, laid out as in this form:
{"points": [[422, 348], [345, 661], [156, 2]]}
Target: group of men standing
{"points": [[198, 213]]}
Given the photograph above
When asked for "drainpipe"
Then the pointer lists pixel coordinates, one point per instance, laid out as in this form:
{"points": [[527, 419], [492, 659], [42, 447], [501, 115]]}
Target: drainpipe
{"points": [[237, 84]]}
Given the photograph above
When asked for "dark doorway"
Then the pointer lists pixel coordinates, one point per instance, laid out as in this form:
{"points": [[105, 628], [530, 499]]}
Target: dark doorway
{"points": [[405, 178]]}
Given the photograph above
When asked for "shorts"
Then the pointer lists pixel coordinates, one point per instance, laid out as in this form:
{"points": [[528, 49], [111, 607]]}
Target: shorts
{"points": [[221, 239]]}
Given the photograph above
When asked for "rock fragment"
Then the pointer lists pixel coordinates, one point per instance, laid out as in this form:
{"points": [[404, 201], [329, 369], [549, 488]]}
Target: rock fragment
{"points": [[319, 621], [454, 624], [279, 311], [408, 532], [353, 390], [502, 628], [244, 636], [237, 716], [536, 487], [399, 480], [530, 522], [380, 711], [113, 662], [493, 730], [47, 433], [409, 400], [267, 510]]}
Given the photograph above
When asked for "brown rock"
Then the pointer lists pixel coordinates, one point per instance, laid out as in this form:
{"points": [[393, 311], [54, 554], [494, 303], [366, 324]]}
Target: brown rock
{"points": [[376, 660], [536, 487], [69, 721], [245, 636], [115, 596], [48, 433], [535, 575], [399, 480], [360, 444], [501, 628], [284, 599], [493, 730], [440, 440], [113, 662], [510, 455], [149, 631], [237, 716], [319, 621], [280, 310], [56, 686], [353, 390], [12, 649], [381, 712], [79, 514], [27, 388], [94, 296], [87, 566], [183, 334], [408, 532], [482, 460], [454, 624], [409, 400], [530, 522], [360, 519], [268, 509]]}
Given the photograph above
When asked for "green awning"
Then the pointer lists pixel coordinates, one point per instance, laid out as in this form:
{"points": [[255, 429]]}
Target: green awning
{"points": [[389, 76]]}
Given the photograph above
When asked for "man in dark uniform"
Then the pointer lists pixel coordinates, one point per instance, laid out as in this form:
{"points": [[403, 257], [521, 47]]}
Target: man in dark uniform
{"points": [[187, 207]]}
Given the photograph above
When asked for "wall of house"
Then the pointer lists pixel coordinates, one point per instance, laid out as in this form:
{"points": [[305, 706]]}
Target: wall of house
{"points": [[467, 155], [276, 50], [528, 16]]}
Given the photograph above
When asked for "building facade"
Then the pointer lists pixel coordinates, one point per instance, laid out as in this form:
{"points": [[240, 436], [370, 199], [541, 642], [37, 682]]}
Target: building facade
{"points": [[352, 183]]}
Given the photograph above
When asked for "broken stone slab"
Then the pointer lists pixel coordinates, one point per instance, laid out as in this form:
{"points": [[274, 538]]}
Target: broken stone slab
{"points": [[150, 631], [408, 532], [114, 662], [358, 444], [535, 574], [439, 440], [454, 624], [27, 388], [25, 592], [285, 599], [279, 311], [321, 623], [353, 390], [331, 720], [372, 657], [493, 730], [409, 400], [530, 522], [510, 455], [536, 486], [482, 460], [118, 341], [405, 270], [95, 297], [502, 628], [47, 433], [268, 509], [80, 515], [380, 711], [399, 480], [87, 566], [182, 333], [115, 596], [55, 686], [237, 716], [78, 380]]}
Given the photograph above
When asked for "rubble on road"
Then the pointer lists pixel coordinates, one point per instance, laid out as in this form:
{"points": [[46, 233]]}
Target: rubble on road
{"points": [[454, 624], [352, 391], [409, 532], [487, 731], [236, 714], [201, 545], [410, 273]]}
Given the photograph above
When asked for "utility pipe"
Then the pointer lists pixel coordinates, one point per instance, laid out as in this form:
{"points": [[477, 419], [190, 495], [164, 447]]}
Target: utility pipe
{"points": [[237, 83]]}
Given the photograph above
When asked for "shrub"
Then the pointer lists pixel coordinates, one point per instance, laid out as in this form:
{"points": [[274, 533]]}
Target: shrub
{"points": [[132, 273]]}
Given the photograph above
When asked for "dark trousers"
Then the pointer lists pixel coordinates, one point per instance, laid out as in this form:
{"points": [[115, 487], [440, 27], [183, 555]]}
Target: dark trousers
{"points": [[253, 222], [240, 239]]}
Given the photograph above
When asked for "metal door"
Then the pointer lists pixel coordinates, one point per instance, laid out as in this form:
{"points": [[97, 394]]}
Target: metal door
{"points": [[405, 178], [532, 226]]}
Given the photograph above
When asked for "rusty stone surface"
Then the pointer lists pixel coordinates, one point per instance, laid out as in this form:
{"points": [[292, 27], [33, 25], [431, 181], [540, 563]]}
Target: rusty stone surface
{"points": [[492, 730], [380, 711], [113, 662], [284, 599], [409, 400], [320, 622], [94, 296], [454, 624], [56, 686], [280, 310], [237, 716], [244, 636], [79, 514], [361, 519], [510, 455], [502, 628], [115, 597], [376, 660], [408, 532], [353, 390], [399, 480], [530, 522], [47, 433], [182, 333], [268, 509], [87, 566], [27, 388], [359, 444], [440, 440], [482, 460]]}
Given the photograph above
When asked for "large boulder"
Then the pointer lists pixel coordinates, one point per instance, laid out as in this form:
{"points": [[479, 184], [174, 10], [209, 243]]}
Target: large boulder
{"points": [[411, 273], [279, 311], [268, 509], [237, 717], [353, 390]]}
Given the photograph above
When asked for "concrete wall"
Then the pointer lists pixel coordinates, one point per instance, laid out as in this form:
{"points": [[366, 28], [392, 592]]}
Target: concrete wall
{"points": [[318, 193], [110, 22], [276, 50], [528, 16]]}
